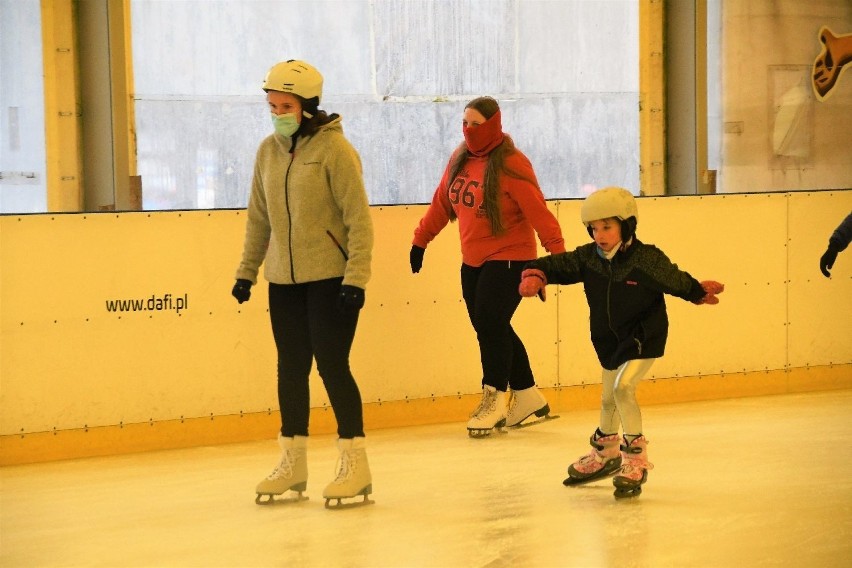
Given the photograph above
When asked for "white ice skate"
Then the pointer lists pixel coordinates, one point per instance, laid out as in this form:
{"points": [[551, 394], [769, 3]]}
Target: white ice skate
{"points": [[291, 473], [353, 476], [526, 403], [490, 414]]}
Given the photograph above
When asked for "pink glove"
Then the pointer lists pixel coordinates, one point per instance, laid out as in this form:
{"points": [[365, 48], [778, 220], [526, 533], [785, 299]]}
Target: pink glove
{"points": [[711, 288], [533, 282]]}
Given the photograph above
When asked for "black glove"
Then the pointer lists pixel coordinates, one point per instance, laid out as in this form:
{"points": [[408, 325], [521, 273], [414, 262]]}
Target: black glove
{"points": [[242, 290], [827, 260], [415, 257], [351, 298]]}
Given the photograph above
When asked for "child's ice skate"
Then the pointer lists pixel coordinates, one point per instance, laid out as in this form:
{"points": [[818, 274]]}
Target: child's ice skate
{"points": [[603, 461], [291, 473], [353, 476], [634, 468], [526, 403], [490, 414]]}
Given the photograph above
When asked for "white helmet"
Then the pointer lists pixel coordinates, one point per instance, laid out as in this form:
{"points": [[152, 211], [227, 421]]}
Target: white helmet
{"points": [[609, 202], [296, 77]]}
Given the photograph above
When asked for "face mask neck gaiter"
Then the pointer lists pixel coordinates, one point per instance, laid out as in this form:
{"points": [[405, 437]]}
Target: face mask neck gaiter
{"points": [[485, 137]]}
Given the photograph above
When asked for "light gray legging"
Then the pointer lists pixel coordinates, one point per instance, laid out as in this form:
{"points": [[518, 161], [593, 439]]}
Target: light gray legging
{"points": [[618, 401]]}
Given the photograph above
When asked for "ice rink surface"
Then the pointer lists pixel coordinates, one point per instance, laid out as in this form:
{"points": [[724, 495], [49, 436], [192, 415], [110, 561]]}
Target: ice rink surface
{"points": [[739, 482]]}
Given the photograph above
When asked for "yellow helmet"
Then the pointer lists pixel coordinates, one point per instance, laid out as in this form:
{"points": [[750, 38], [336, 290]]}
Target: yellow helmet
{"points": [[296, 77]]}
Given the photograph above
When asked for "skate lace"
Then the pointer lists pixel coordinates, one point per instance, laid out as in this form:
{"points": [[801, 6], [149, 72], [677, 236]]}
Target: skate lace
{"points": [[284, 467], [513, 404], [345, 467], [590, 458], [487, 404], [631, 465]]}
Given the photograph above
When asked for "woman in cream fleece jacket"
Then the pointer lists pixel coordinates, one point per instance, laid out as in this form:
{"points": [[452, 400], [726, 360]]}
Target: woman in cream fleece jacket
{"points": [[309, 225]]}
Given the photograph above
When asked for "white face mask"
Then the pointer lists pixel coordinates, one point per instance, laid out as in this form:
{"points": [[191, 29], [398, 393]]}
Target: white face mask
{"points": [[609, 255], [285, 124]]}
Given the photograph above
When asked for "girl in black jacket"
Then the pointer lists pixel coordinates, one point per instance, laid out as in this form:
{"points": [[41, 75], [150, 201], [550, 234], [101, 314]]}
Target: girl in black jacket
{"points": [[625, 281]]}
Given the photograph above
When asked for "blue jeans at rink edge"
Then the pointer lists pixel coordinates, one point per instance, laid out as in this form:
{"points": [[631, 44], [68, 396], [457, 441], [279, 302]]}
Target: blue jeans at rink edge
{"points": [[307, 324], [491, 295]]}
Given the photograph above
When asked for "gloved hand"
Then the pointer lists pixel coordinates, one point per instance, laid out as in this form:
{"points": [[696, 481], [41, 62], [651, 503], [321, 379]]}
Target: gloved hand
{"points": [[827, 259], [533, 282], [242, 290], [711, 288], [350, 299], [415, 257]]}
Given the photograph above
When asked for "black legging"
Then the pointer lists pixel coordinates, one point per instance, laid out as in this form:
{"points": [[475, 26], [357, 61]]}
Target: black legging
{"points": [[491, 296], [307, 324]]}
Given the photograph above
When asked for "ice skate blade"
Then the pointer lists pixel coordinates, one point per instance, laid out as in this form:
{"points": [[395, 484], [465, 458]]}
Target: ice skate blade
{"points": [[484, 432], [341, 504], [627, 493], [576, 481], [272, 500], [610, 469], [539, 420]]}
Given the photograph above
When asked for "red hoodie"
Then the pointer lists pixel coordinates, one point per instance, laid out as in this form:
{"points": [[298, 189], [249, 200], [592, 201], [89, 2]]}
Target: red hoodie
{"points": [[522, 207]]}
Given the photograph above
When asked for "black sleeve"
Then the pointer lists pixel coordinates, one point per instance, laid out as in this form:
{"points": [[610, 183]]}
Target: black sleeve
{"points": [[561, 268], [663, 275], [842, 235]]}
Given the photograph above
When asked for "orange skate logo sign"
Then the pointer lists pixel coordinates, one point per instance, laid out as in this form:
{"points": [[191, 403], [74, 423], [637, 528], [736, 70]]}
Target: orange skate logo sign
{"points": [[831, 62]]}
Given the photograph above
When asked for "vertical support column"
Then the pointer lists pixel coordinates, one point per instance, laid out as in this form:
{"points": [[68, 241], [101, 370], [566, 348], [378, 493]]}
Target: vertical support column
{"points": [[135, 187], [121, 87], [62, 114], [705, 180], [109, 154], [652, 115], [686, 97]]}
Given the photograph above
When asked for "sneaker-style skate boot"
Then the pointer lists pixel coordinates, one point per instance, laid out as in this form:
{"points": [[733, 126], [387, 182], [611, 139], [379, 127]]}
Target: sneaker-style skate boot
{"points": [[634, 468], [353, 476], [526, 403], [490, 414], [291, 473], [603, 461]]}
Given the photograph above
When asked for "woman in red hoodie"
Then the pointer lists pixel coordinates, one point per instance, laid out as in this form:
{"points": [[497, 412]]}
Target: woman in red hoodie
{"points": [[490, 187]]}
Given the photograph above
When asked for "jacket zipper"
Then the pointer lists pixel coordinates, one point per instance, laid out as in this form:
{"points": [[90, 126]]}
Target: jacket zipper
{"points": [[608, 300], [289, 216]]}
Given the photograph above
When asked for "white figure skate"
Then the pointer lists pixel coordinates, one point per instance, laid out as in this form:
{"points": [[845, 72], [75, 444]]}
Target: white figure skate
{"points": [[353, 476], [526, 403], [490, 414], [291, 473]]}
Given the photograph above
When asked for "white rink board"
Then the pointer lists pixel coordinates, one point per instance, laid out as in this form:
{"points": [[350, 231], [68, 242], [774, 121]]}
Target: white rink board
{"points": [[67, 362]]}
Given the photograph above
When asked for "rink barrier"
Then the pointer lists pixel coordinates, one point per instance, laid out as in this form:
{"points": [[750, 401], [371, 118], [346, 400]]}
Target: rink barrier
{"points": [[39, 447], [195, 368]]}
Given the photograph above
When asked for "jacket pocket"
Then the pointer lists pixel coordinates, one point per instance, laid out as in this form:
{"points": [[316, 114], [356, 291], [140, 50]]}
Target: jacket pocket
{"points": [[337, 244]]}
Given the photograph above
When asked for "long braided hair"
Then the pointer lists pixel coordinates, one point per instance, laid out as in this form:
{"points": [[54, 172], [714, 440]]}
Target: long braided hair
{"points": [[495, 167]]}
